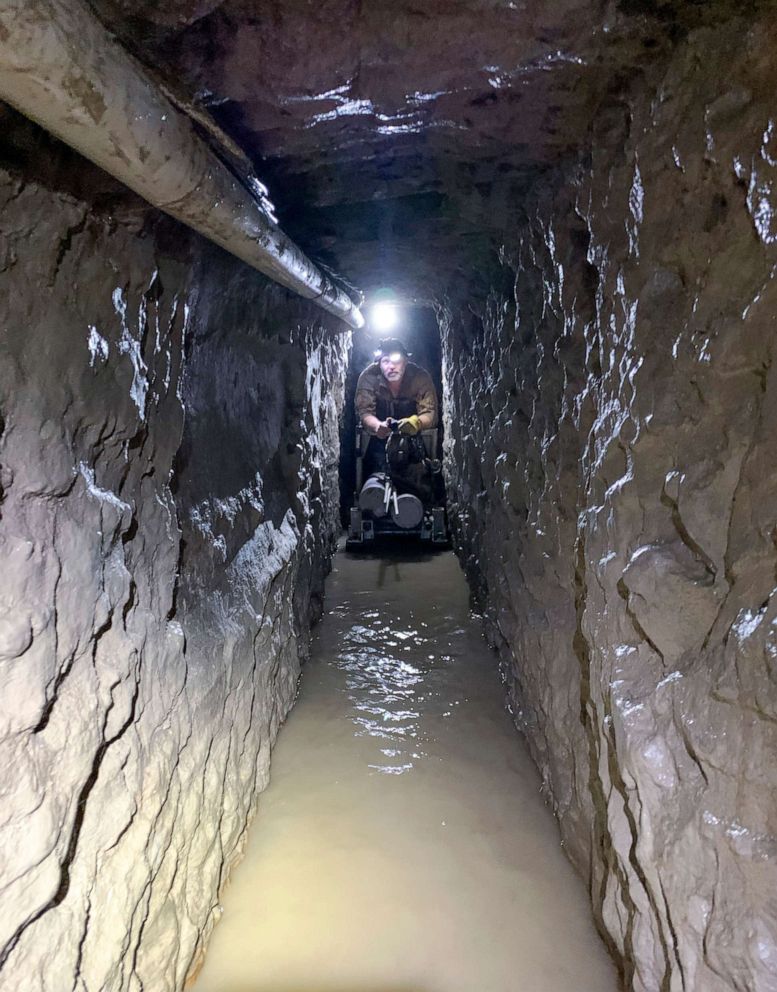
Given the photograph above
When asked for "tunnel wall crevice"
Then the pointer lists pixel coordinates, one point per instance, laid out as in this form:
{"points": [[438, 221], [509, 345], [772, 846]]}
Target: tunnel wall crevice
{"points": [[610, 425], [168, 508]]}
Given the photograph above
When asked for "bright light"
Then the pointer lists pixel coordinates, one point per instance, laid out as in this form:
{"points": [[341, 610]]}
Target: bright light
{"points": [[384, 316]]}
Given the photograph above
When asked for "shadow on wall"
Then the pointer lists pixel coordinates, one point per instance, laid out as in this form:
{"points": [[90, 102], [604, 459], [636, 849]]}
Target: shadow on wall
{"points": [[421, 334]]}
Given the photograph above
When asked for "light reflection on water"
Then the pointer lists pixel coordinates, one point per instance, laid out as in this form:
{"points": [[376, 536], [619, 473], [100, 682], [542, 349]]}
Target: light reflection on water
{"points": [[386, 691], [403, 842]]}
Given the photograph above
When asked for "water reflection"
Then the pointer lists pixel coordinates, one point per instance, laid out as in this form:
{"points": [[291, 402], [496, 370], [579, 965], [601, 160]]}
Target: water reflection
{"points": [[392, 680], [403, 835], [386, 690]]}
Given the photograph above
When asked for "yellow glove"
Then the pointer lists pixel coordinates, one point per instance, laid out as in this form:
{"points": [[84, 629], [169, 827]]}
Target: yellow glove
{"points": [[410, 425]]}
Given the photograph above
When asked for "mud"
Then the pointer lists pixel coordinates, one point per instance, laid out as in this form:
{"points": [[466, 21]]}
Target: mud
{"points": [[403, 843]]}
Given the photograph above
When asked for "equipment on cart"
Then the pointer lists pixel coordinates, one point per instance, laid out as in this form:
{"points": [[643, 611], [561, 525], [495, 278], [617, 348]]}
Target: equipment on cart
{"points": [[402, 494], [379, 497]]}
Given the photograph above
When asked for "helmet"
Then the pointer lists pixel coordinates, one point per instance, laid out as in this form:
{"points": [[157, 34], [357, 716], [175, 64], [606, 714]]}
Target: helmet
{"points": [[390, 346]]}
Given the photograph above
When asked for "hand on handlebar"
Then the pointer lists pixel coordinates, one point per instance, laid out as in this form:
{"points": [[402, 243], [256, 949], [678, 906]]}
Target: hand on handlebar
{"points": [[383, 429], [409, 425]]}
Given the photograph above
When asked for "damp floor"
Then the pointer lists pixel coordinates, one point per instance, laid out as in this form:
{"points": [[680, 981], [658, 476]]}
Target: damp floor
{"points": [[403, 845]]}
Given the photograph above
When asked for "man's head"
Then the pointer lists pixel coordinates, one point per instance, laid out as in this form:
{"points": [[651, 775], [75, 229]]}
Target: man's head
{"points": [[391, 355]]}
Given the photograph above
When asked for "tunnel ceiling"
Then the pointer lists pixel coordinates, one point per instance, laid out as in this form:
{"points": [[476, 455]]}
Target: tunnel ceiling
{"points": [[398, 137]]}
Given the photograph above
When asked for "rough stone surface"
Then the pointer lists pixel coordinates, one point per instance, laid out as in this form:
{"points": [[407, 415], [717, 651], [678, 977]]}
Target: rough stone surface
{"points": [[168, 503], [397, 138], [611, 418]]}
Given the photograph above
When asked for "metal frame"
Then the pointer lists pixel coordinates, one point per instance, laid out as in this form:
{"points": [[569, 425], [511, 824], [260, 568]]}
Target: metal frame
{"points": [[364, 529]]}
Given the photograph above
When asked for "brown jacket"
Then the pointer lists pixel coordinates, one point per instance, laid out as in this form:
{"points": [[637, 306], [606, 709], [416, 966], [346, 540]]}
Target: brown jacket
{"points": [[373, 395]]}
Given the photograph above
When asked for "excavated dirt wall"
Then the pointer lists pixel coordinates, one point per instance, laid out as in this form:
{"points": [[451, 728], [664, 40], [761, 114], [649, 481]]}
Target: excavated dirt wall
{"points": [[168, 506], [611, 421]]}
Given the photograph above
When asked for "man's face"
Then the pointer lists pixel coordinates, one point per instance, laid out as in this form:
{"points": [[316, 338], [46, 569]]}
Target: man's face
{"points": [[393, 366]]}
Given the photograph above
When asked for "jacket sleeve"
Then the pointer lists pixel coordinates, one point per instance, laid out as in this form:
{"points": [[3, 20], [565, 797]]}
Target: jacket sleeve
{"points": [[366, 399], [426, 397]]}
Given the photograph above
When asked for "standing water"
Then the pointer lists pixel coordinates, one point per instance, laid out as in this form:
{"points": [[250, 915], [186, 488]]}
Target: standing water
{"points": [[403, 845]]}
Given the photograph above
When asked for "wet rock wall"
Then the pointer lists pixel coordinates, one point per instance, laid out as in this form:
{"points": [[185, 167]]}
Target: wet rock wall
{"points": [[611, 414], [168, 465]]}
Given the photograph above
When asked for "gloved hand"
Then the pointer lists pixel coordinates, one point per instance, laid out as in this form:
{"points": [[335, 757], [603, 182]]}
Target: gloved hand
{"points": [[409, 425]]}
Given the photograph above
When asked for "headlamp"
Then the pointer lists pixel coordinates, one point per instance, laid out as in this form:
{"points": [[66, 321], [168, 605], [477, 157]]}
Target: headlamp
{"points": [[392, 349]]}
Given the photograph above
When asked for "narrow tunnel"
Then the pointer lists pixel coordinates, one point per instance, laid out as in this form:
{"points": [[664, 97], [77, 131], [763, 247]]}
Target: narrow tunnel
{"points": [[572, 207]]}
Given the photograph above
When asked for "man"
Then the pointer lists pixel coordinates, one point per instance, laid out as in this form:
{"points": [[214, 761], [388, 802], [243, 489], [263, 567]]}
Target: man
{"points": [[393, 388]]}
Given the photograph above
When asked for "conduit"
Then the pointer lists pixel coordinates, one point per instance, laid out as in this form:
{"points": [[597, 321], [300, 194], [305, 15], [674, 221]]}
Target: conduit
{"points": [[59, 66]]}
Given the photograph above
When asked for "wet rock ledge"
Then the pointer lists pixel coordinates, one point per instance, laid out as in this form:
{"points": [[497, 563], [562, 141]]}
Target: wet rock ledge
{"points": [[168, 505]]}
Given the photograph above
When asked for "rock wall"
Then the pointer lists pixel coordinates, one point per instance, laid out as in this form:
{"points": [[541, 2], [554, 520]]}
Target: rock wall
{"points": [[168, 506], [611, 420]]}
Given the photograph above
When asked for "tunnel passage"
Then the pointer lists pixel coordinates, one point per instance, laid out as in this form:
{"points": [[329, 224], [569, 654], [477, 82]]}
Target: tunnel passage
{"points": [[583, 194], [402, 831]]}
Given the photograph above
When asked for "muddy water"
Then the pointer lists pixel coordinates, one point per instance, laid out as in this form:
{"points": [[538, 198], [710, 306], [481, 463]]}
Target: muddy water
{"points": [[403, 845]]}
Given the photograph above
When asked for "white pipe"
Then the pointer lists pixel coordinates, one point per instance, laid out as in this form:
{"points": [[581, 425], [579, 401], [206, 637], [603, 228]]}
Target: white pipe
{"points": [[59, 66]]}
